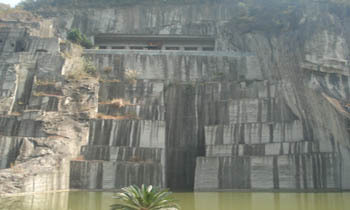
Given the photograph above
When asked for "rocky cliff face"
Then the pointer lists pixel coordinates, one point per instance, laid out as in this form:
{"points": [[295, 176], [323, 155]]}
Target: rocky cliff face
{"points": [[266, 110], [44, 115]]}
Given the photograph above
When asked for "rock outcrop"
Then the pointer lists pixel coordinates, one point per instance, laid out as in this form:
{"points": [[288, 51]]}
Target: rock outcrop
{"points": [[42, 123], [267, 110]]}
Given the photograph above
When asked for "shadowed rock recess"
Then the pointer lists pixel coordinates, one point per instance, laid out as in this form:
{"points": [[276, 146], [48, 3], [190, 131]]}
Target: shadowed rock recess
{"points": [[265, 109]]}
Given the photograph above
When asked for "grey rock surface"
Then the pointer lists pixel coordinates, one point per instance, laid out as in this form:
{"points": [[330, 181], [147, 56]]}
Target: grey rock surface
{"points": [[267, 110], [114, 174], [39, 133]]}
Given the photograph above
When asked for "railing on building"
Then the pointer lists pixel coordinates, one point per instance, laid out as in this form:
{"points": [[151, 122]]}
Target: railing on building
{"points": [[154, 42]]}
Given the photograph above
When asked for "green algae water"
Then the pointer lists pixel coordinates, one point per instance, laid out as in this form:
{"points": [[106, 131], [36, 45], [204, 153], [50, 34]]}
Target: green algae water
{"points": [[82, 200]]}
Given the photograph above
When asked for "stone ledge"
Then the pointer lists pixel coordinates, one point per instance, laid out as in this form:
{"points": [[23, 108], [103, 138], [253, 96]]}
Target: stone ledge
{"points": [[254, 133], [295, 172], [11, 126], [108, 153], [167, 52], [281, 148], [177, 66], [114, 174], [132, 133], [145, 112]]}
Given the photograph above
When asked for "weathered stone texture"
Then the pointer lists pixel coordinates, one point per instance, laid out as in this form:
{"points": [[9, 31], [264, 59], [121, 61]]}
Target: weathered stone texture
{"points": [[287, 148], [25, 128], [120, 153], [107, 153], [268, 109], [284, 172], [178, 66], [38, 135], [114, 175], [254, 133], [9, 150], [132, 133]]}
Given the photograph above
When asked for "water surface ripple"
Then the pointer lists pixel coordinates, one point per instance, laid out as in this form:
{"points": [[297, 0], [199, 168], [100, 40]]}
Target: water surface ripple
{"points": [[82, 200]]}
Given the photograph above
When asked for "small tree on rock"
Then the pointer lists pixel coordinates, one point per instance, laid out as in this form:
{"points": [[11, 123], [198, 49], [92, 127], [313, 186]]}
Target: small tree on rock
{"points": [[76, 37]]}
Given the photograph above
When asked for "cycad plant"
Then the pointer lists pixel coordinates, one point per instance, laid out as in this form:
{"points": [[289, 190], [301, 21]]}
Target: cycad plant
{"points": [[136, 198]]}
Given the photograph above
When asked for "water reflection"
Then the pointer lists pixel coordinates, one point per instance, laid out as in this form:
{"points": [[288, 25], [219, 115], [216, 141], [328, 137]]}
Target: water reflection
{"points": [[189, 201], [90, 201], [45, 201], [272, 201]]}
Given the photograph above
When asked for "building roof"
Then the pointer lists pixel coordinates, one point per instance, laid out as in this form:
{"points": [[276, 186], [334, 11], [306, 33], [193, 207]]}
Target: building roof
{"points": [[139, 37]]}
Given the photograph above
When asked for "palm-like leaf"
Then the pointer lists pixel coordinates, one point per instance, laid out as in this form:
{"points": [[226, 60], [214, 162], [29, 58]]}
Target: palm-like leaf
{"points": [[135, 198]]}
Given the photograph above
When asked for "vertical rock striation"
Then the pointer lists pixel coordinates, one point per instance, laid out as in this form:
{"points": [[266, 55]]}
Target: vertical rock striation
{"points": [[267, 110]]}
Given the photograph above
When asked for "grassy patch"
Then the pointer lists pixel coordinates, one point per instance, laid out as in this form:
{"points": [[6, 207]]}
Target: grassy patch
{"points": [[131, 116], [38, 94], [44, 83], [118, 102], [86, 69]]}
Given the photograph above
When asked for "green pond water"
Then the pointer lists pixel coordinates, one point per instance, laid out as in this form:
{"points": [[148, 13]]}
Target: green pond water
{"points": [[82, 200]]}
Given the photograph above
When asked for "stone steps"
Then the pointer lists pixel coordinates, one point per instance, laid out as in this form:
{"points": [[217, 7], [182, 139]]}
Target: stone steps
{"points": [[114, 174], [120, 153]]}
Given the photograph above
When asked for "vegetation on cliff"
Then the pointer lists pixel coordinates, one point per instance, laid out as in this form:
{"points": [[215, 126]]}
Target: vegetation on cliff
{"points": [[7, 13], [78, 38]]}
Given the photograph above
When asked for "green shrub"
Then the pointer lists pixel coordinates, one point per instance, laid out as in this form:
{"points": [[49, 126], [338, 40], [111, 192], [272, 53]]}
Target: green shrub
{"points": [[86, 43], [76, 37]]}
